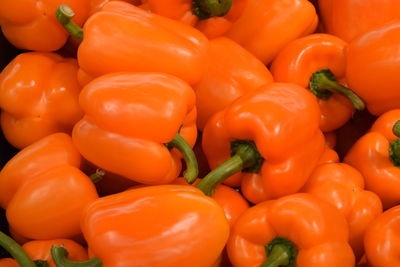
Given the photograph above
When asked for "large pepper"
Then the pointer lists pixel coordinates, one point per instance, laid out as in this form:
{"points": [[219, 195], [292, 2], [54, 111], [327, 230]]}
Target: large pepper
{"points": [[377, 156], [130, 118], [123, 37], [297, 230], [43, 191], [259, 29], [381, 239], [372, 67], [315, 62], [38, 96], [343, 186], [166, 225], [258, 138], [32, 25], [233, 71], [348, 19]]}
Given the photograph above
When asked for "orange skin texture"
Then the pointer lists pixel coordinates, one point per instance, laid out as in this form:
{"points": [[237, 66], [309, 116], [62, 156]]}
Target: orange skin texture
{"points": [[372, 68], [381, 239], [290, 155], [151, 43], [40, 250], [124, 226], [317, 229], [232, 72], [233, 203], [115, 104], [38, 97], [301, 58], [36, 188], [8, 262], [343, 186], [370, 156], [349, 19], [297, 17], [96, 5], [384, 124], [32, 25]]}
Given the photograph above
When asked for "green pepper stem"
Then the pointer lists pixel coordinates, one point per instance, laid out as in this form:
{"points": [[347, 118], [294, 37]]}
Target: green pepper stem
{"points": [[192, 169], [245, 156], [205, 9], [281, 252], [394, 147], [64, 14], [323, 83], [16, 251], [97, 176], [59, 255], [41, 263]]}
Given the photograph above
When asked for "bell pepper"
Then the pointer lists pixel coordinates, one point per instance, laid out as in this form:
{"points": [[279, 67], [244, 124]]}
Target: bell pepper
{"points": [[36, 186], [381, 239], [378, 160], [165, 225], [151, 43], [233, 71], [259, 28], [96, 5], [372, 67], [348, 19], [296, 230], [8, 262], [343, 186], [32, 25], [38, 96], [315, 62], [132, 119], [258, 137], [16, 251], [385, 122]]}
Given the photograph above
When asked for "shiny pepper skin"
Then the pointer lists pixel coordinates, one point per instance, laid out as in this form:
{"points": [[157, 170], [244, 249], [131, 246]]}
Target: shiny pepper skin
{"points": [[38, 97]]}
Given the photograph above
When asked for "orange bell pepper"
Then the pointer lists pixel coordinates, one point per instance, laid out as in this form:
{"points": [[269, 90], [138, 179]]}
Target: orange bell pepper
{"points": [[258, 137], [38, 96], [36, 186], [129, 117], [30, 25], [378, 160], [233, 71], [8, 262], [259, 28], [96, 5], [343, 186], [348, 19], [381, 239], [315, 62], [372, 67], [385, 122], [166, 225], [296, 230], [152, 43]]}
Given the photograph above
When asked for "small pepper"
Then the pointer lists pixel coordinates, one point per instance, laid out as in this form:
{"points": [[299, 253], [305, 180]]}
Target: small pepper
{"points": [[381, 239], [296, 230], [259, 28], [378, 160], [131, 123], [258, 136], [316, 62], [232, 72], [32, 25], [36, 186], [38, 97], [343, 186], [165, 225], [385, 122]]}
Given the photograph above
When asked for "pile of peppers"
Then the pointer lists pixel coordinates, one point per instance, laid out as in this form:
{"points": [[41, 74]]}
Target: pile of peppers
{"points": [[200, 133]]}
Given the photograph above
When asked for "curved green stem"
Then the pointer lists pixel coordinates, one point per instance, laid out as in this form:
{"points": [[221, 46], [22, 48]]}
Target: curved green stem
{"points": [[205, 9], [245, 157], [192, 169], [394, 147], [323, 83], [281, 252], [98, 175], [64, 14], [59, 255], [16, 251]]}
